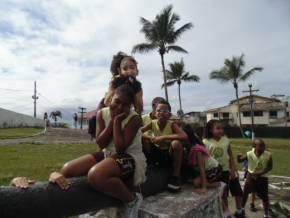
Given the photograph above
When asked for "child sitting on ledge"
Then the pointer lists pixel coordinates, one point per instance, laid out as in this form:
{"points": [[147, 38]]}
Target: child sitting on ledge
{"points": [[165, 142], [199, 160], [119, 132]]}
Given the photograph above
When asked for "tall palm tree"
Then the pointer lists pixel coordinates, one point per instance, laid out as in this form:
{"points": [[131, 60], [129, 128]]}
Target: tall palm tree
{"points": [[233, 71], [177, 74], [161, 34], [55, 114]]}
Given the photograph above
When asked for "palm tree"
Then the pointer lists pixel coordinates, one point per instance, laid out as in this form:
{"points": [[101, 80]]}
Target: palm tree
{"points": [[55, 114], [177, 74], [161, 34], [233, 71]]}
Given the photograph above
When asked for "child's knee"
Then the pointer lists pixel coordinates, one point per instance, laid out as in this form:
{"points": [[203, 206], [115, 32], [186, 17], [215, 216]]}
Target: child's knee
{"points": [[66, 169], [94, 178], [176, 145]]}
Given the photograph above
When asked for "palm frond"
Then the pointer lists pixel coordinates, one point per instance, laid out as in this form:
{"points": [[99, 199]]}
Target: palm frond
{"points": [[190, 78], [143, 48], [220, 75], [177, 33], [246, 75], [175, 48], [169, 83]]}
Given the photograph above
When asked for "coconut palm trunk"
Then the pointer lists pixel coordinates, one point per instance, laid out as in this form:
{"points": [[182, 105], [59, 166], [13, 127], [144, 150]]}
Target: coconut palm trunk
{"points": [[164, 74], [179, 96], [239, 109]]}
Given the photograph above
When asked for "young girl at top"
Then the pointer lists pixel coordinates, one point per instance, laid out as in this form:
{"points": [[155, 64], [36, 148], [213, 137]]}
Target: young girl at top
{"points": [[124, 70], [199, 160], [219, 147], [119, 132]]}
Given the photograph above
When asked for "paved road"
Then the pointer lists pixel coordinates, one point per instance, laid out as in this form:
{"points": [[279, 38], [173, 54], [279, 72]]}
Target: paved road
{"points": [[54, 136]]}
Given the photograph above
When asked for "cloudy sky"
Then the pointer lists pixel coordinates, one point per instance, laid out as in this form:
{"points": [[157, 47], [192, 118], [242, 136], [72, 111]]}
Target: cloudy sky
{"points": [[67, 46]]}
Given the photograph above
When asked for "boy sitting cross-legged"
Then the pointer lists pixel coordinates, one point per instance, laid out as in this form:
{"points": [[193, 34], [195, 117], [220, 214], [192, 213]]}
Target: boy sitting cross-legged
{"points": [[164, 144]]}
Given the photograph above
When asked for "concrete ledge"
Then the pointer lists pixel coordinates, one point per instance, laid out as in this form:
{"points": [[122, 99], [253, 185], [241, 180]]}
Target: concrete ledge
{"points": [[182, 205]]}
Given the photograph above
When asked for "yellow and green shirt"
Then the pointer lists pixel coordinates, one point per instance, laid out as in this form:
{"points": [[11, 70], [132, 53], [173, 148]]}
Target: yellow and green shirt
{"points": [[258, 164], [156, 131], [219, 150], [146, 118]]}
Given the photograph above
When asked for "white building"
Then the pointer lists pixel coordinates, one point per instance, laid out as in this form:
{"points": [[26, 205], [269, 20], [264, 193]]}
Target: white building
{"points": [[10, 119], [267, 112]]}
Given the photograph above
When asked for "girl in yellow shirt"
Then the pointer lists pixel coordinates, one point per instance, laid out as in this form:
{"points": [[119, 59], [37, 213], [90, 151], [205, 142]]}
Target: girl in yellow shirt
{"points": [[219, 147]]}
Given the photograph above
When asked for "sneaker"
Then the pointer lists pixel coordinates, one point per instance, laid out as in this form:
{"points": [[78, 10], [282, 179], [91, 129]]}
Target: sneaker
{"points": [[253, 208], [227, 214], [240, 214], [174, 184], [132, 208]]}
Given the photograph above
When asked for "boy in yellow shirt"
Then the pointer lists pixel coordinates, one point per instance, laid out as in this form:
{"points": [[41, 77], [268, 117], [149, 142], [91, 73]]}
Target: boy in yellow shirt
{"points": [[259, 164], [165, 142], [147, 118]]}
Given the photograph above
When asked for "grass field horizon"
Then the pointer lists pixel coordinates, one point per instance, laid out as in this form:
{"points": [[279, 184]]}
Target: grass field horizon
{"points": [[37, 161]]}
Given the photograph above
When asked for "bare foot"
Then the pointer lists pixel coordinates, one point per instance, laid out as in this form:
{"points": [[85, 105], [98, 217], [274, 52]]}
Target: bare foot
{"points": [[21, 182]]}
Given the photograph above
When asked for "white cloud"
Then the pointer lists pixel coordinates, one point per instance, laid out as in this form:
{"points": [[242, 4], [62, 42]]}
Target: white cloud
{"points": [[67, 47]]}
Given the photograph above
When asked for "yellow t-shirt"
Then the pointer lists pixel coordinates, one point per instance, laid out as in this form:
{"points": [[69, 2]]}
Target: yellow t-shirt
{"points": [[219, 150], [257, 164], [146, 119], [156, 131]]}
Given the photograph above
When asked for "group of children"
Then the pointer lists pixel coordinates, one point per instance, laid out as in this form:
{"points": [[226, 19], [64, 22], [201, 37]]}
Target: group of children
{"points": [[128, 142]]}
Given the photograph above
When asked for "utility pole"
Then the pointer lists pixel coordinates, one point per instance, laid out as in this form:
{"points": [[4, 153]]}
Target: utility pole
{"points": [[82, 115], [34, 97], [251, 107]]}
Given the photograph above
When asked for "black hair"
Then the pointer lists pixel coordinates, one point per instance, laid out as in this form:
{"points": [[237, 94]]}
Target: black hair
{"points": [[261, 141], [166, 103], [126, 90], [192, 136], [156, 100], [209, 128], [116, 62], [129, 80]]}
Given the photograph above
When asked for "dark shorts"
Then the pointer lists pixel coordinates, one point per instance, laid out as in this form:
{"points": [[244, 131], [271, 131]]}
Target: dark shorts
{"points": [[158, 156], [233, 185], [125, 162], [214, 175], [259, 185]]}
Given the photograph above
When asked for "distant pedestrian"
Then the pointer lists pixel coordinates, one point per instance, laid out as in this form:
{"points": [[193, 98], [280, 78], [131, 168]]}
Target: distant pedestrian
{"points": [[75, 117], [45, 119]]}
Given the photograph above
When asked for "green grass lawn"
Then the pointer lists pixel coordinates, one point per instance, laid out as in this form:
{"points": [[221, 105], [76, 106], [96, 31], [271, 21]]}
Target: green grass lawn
{"points": [[37, 161], [18, 132], [280, 149]]}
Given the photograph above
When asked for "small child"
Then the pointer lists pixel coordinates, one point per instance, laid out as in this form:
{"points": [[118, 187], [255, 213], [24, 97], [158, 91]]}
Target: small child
{"points": [[124, 70], [259, 164], [209, 169], [219, 147], [165, 143], [252, 195]]}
